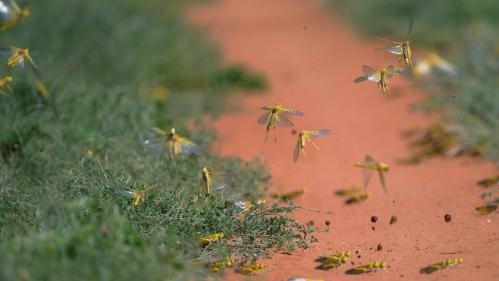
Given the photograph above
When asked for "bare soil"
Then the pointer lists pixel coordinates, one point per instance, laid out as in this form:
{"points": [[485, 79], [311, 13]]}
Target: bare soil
{"points": [[310, 58]]}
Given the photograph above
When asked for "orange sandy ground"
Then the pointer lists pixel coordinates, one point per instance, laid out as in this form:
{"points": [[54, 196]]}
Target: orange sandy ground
{"points": [[310, 59]]}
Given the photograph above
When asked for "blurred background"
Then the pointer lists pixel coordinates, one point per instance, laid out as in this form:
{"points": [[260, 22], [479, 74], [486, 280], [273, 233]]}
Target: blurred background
{"points": [[464, 32]]}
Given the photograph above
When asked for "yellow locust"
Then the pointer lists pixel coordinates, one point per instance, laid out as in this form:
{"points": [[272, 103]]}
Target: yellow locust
{"points": [[441, 265], [379, 76], [333, 261], [171, 143], [369, 165], [217, 266], [19, 57], [431, 62], [307, 136], [5, 88], [12, 14], [138, 196], [207, 184], [289, 196], [203, 241], [250, 269], [367, 268], [277, 115], [401, 49]]}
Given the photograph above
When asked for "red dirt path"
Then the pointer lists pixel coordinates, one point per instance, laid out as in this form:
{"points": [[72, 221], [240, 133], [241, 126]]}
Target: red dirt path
{"points": [[310, 59]]}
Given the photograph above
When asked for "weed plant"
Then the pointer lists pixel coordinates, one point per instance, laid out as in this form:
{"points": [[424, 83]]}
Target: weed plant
{"points": [[113, 69]]}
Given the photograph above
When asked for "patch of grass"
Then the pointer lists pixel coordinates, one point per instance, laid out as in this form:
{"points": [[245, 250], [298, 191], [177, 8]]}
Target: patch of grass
{"points": [[467, 31], [114, 70]]}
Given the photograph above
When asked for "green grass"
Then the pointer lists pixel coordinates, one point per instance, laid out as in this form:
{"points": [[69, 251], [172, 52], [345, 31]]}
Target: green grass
{"points": [[465, 32], [114, 69]]}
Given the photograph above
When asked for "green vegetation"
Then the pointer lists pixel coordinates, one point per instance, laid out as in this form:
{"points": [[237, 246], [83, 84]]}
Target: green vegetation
{"points": [[113, 69], [467, 32]]}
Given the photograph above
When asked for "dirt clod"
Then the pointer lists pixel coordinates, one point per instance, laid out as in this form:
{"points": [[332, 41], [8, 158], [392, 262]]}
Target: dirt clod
{"points": [[379, 248], [373, 228], [447, 218], [374, 219], [328, 223], [393, 219]]}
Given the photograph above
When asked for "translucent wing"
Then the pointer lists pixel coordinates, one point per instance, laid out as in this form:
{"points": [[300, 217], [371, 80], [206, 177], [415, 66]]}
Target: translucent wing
{"points": [[319, 133], [128, 194], [264, 119], [406, 72], [157, 137], [368, 70], [389, 71], [360, 79], [283, 121], [296, 153], [221, 174], [368, 159], [267, 107], [157, 146], [219, 185], [369, 74], [187, 146], [294, 112], [367, 174], [223, 182], [382, 180], [388, 40], [374, 77], [397, 50], [154, 142]]}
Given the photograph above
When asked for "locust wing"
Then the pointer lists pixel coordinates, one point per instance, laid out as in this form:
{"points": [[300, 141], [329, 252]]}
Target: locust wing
{"points": [[283, 121], [397, 50], [296, 152], [382, 180], [264, 119], [319, 133], [368, 173], [220, 180], [186, 146]]}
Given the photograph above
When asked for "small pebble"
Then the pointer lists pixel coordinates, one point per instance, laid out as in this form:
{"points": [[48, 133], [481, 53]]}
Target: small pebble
{"points": [[393, 219], [373, 228], [379, 248], [359, 256], [447, 218], [374, 219], [328, 223]]}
